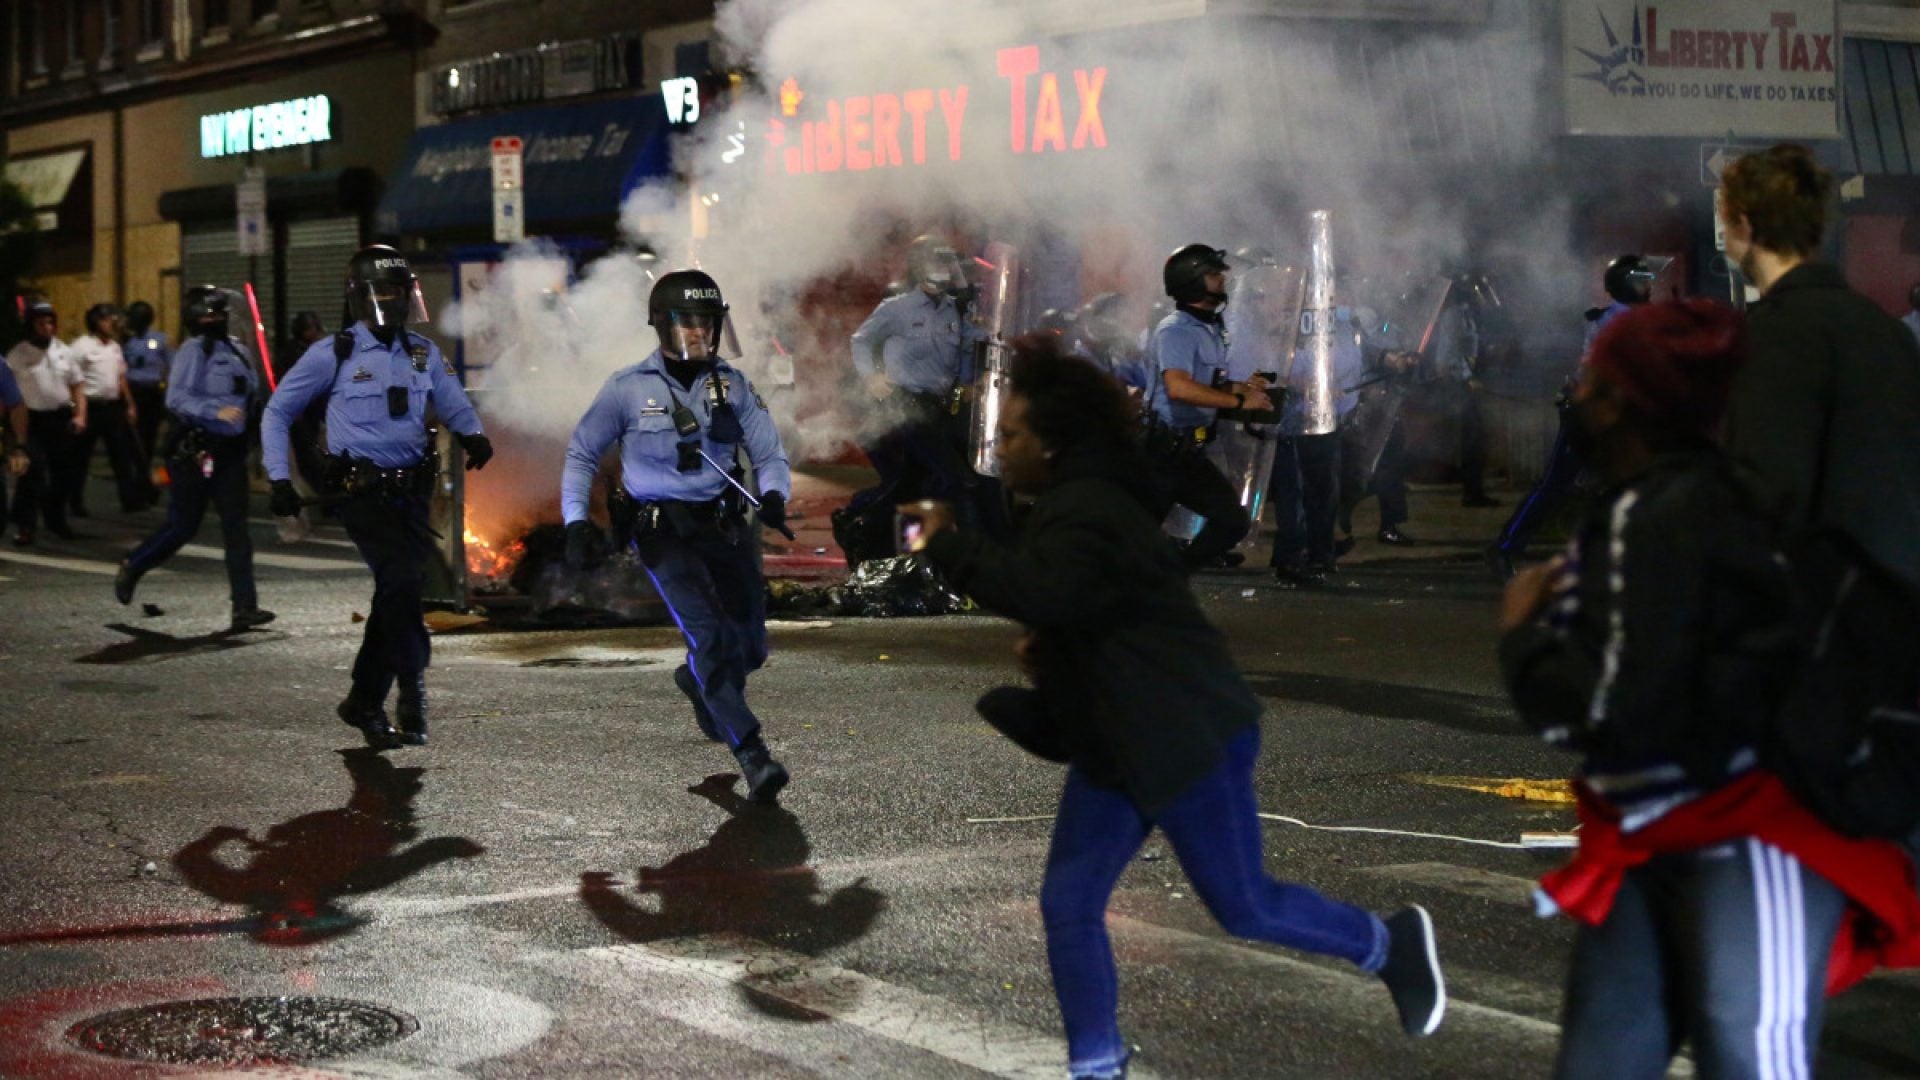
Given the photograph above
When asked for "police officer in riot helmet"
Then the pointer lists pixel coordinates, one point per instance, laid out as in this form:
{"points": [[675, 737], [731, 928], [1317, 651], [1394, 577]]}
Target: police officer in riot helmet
{"points": [[377, 380], [212, 388], [682, 416], [1187, 386]]}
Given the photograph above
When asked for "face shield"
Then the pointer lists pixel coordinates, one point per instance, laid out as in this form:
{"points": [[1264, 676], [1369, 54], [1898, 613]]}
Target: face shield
{"points": [[940, 271], [696, 336], [390, 304]]}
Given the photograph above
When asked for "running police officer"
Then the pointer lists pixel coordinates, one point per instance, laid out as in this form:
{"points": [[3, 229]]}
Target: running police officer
{"points": [[1187, 385], [378, 380], [147, 352], [1629, 283], [680, 417], [211, 395], [912, 353]]}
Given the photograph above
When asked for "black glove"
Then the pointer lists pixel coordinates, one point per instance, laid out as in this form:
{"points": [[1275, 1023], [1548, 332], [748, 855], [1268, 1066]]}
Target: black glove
{"points": [[283, 500], [584, 545], [479, 450], [773, 513]]}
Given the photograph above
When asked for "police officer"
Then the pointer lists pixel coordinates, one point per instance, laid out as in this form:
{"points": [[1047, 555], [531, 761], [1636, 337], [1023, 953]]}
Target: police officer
{"points": [[1187, 385], [680, 417], [211, 395], [1629, 283], [1102, 335], [55, 393], [911, 354], [111, 413], [147, 352], [378, 379]]}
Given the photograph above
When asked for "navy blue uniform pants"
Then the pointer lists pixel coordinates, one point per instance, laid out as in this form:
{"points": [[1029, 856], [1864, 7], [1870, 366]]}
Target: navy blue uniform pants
{"points": [[1185, 477], [107, 422], [1214, 829], [1724, 948], [43, 491], [1563, 468], [191, 491], [152, 403], [1304, 494], [925, 457], [391, 533], [712, 586]]}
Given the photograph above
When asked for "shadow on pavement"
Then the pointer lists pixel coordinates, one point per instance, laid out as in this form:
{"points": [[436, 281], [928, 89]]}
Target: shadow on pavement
{"points": [[1477, 713], [751, 879], [299, 868], [152, 646]]}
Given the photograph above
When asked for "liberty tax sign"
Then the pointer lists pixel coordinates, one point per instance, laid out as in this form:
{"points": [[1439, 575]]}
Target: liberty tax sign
{"points": [[1756, 68]]}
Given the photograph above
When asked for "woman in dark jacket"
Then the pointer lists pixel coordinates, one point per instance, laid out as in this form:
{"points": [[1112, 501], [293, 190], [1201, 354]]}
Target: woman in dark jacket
{"points": [[1137, 691]]}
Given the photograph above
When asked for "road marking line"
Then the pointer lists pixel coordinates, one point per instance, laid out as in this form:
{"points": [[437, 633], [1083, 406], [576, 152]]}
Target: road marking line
{"points": [[1466, 881], [896, 1013], [270, 523], [267, 558], [61, 562]]}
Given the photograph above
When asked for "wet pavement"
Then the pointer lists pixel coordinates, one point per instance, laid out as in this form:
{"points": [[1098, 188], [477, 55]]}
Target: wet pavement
{"points": [[567, 882]]}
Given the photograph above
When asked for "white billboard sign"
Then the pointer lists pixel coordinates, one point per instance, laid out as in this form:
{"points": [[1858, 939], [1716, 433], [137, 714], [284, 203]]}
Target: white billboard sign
{"points": [[1766, 69]]}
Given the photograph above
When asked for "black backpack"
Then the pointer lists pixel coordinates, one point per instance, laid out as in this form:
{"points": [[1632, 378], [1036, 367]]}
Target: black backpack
{"points": [[1846, 739]]}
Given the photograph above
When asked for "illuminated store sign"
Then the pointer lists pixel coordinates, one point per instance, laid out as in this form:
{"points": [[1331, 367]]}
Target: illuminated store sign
{"points": [[267, 127], [1044, 111]]}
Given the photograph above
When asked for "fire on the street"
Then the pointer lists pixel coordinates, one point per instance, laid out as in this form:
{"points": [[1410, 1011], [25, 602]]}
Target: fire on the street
{"points": [[486, 563]]}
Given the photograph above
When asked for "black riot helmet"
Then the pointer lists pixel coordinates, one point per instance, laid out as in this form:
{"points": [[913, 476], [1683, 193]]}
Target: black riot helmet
{"points": [[1629, 279], [1185, 275], [205, 310], [688, 312], [139, 317], [933, 266], [382, 290]]}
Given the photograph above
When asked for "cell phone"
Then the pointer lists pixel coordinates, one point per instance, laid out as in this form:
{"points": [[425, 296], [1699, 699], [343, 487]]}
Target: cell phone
{"points": [[910, 525]]}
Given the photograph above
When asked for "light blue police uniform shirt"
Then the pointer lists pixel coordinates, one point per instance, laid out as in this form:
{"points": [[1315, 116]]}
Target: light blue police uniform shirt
{"points": [[1912, 319], [635, 409], [1184, 343], [9, 389], [357, 420], [146, 358], [201, 385], [925, 345]]}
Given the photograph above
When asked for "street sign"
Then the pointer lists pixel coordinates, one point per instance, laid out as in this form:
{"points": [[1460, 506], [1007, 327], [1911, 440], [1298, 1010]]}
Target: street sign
{"points": [[250, 206], [509, 216], [509, 195], [506, 162], [1715, 157]]}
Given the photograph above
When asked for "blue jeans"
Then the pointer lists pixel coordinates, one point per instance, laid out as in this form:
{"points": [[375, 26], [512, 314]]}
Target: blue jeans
{"points": [[1215, 833]]}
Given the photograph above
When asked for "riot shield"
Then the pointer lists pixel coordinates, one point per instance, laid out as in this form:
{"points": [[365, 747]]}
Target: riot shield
{"points": [[1313, 385], [1409, 325], [1245, 447], [998, 312]]}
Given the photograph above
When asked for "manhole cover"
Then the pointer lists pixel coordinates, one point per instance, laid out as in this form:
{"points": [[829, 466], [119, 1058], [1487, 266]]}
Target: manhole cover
{"points": [[243, 1031]]}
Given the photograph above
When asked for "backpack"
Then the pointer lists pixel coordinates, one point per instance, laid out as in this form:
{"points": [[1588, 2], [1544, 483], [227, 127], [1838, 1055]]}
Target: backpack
{"points": [[1846, 738]]}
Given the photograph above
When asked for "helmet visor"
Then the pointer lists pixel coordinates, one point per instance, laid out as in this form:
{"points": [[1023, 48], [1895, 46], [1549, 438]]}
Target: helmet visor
{"points": [[391, 303], [692, 335]]}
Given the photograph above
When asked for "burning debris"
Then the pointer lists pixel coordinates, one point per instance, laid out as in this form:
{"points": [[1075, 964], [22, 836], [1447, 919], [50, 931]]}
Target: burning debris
{"points": [[878, 589], [489, 568]]}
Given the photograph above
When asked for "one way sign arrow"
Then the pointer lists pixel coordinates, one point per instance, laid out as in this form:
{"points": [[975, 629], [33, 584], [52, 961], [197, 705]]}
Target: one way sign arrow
{"points": [[1715, 157]]}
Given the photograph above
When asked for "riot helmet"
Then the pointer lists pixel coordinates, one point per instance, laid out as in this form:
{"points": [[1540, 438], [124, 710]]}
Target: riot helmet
{"points": [[99, 318], [1629, 279], [37, 310], [934, 267], [382, 290], [205, 310], [139, 317], [1185, 275], [1102, 324], [687, 311]]}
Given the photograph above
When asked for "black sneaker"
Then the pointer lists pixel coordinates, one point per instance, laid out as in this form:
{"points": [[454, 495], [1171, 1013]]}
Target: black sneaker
{"points": [[1298, 577], [244, 619], [371, 721], [123, 582], [1412, 972], [1393, 536], [683, 678], [1344, 547]]}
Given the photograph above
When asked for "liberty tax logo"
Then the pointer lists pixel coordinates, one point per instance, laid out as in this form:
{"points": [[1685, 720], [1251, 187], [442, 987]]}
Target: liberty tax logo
{"points": [[1618, 69]]}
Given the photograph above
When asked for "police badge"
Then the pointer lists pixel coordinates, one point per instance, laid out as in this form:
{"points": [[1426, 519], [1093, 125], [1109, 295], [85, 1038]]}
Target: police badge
{"points": [[418, 351]]}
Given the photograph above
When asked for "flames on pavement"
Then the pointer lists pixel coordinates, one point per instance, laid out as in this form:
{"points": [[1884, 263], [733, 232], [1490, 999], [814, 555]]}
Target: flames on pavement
{"points": [[488, 564]]}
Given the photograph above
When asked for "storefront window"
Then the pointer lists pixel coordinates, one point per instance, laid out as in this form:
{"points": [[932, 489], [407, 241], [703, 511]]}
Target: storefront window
{"points": [[33, 37], [153, 21], [109, 30]]}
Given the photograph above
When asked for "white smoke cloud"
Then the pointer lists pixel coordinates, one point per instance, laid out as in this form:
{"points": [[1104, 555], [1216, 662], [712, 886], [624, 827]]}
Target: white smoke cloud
{"points": [[1214, 133]]}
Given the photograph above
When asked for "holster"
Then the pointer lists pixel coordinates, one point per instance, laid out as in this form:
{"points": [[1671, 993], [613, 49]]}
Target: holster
{"points": [[653, 522], [1165, 440], [349, 475]]}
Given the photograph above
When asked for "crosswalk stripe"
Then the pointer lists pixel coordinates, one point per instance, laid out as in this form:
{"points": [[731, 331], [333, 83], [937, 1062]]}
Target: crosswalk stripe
{"points": [[895, 1013], [267, 558]]}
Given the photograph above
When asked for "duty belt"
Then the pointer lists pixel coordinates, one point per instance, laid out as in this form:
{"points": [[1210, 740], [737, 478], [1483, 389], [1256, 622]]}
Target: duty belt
{"points": [[191, 442], [1165, 438], [357, 476]]}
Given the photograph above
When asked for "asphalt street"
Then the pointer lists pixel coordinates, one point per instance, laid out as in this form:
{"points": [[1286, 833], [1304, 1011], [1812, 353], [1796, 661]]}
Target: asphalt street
{"points": [[565, 883]]}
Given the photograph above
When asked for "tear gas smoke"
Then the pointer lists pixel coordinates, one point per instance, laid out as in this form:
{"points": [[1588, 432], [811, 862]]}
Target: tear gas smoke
{"points": [[1190, 153]]}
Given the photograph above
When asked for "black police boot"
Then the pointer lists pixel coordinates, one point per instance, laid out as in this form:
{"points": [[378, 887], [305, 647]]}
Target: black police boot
{"points": [[683, 678], [244, 619], [410, 710], [765, 776], [371, 720], [123, 582]]}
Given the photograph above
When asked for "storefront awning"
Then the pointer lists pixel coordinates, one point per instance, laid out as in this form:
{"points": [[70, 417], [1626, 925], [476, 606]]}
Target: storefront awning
{"points": [[579, 162], [45, 179], [1881, 107]]}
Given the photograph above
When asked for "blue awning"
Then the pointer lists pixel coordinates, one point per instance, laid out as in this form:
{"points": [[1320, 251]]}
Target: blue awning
{"points": [[579, 162]]}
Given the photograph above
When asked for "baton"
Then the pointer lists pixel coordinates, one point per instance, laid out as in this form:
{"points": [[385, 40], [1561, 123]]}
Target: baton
{"points": [[260, 335], [737, 486]]}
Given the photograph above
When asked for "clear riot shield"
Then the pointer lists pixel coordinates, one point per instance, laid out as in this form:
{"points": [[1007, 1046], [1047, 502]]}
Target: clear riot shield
{"points": [[1314, 385], [997, 312], [1245, 447], [1409, 325]]}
